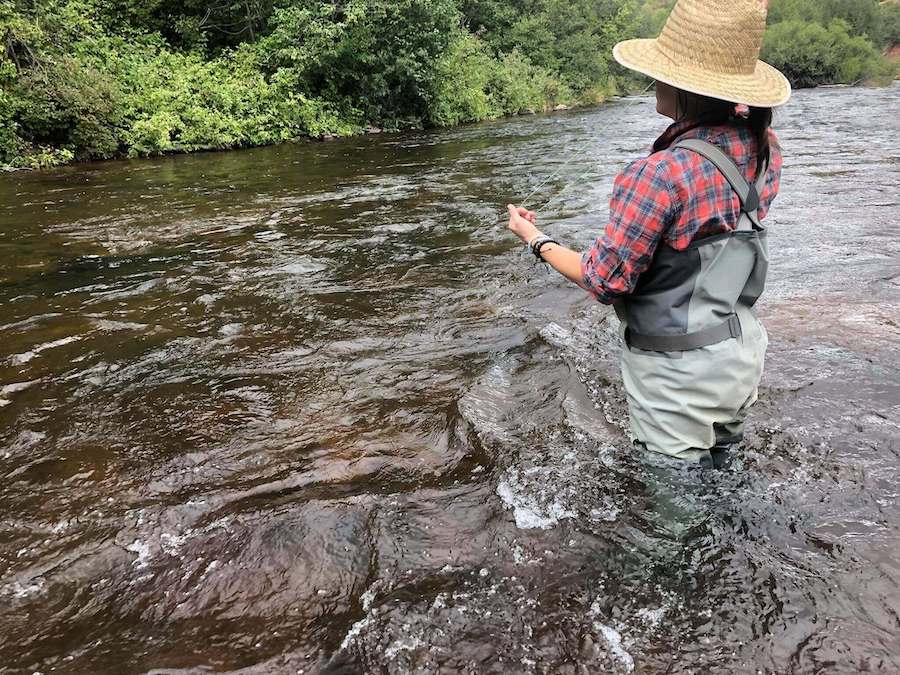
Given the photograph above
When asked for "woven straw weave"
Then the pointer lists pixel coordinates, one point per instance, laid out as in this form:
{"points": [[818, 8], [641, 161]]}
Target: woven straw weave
{"points": [[711, 47]]}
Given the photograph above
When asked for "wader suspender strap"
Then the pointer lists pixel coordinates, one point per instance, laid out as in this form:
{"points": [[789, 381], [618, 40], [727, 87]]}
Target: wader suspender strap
{"points": [[749, 196], [682, 343], [747, 193]]}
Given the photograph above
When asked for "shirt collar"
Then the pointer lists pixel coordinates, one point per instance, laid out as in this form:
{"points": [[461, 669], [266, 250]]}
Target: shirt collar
{"points": [[675, 131], [682, 128]]}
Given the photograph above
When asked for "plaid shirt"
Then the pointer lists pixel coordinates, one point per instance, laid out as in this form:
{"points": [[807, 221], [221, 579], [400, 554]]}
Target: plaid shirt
{"points": [[672, 198]]}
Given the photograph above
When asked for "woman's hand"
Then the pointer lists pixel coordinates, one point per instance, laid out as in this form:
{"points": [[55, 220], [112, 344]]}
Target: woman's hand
{"points": [[522, 222], [564, 261]]}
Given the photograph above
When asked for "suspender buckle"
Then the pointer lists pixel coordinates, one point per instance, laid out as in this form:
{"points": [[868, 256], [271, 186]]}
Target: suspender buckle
{"points": [[734, 326]]}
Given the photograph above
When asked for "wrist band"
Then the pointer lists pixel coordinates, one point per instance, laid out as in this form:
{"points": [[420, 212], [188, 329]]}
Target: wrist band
{"points": [[534, 239], [539, 243]]}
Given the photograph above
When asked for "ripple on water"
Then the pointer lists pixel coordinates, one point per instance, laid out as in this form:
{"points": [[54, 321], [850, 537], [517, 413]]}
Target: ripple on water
{"points": [[307, 408]]}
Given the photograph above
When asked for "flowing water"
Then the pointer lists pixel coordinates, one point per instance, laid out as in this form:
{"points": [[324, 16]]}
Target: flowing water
{"points": [[310, 409]]}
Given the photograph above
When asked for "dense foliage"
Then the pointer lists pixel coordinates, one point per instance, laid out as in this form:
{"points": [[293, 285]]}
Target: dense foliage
{"points": [[831, 41], [86, 79]]}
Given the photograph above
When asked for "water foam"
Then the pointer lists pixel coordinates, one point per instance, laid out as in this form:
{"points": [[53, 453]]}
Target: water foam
{"points": [[527, 509], [355, 630], [142, 550], [25, 357], [406, 644], [614, 641]]}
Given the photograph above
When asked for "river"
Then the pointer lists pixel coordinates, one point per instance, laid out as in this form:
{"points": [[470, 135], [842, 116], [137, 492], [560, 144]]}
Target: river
{"points": [[311, 409]]}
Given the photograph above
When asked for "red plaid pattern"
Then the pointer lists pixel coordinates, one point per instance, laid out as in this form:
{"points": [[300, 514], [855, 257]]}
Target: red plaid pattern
{"points": [[672, 198]]}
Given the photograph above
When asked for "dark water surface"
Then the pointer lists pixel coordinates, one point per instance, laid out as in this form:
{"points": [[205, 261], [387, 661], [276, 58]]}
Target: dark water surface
{"points": [[310, 409]]}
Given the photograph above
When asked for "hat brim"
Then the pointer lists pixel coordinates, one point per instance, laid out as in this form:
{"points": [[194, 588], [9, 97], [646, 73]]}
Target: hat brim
{"points": [[766, 87]]}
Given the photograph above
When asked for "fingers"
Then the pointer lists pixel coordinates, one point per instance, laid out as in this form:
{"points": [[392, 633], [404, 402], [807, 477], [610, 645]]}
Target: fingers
{"points": [[515, 214], [521, 222], [514, 218], [530, 216], [522, 212]]}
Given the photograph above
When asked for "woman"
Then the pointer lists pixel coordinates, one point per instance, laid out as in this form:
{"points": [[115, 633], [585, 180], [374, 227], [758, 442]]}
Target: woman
{"points": [[683, 258]]}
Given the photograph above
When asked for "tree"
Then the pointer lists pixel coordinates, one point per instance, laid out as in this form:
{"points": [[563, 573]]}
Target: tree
{"points": [[372, 55]]}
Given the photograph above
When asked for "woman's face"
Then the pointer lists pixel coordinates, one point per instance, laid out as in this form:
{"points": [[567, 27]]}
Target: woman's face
{"points": [[666, 100]]}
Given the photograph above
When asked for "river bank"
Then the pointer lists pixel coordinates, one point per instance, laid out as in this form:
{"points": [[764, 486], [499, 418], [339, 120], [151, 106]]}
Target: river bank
{"points": [[310, 407], [85, 80], [549, 108]]}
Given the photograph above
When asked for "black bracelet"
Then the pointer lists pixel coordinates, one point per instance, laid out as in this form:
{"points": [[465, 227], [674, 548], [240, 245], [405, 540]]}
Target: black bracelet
{"points": [[536, 242], [538, 245]]}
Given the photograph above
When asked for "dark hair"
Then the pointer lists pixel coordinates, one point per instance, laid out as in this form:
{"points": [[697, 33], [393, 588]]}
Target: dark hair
{"points": [[759, 121], [716, 111]]}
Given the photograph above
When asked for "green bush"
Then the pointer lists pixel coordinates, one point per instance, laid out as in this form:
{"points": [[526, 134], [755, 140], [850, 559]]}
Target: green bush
{"points": [[89, 79], [809, 53], [572, 38], [458, 88], [890, 24], [377, 56], [518, 86], [469, 85], [86, 79], [68, 104], [862, 17]]}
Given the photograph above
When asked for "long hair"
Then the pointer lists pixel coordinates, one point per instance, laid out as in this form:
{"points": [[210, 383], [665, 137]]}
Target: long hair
{"points": [[715, 111], [759, 120]]}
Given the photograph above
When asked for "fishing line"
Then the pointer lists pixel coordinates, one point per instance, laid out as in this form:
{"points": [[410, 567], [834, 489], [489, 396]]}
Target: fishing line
{"points": [[578, 154], [584, 148], [565, 188]]}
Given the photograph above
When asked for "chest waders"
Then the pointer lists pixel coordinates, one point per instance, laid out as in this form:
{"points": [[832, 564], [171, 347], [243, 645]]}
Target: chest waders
{"points": [[694, 349]]}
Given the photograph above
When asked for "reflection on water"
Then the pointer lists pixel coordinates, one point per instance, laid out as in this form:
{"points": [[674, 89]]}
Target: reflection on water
{"points": [[309, 408]]}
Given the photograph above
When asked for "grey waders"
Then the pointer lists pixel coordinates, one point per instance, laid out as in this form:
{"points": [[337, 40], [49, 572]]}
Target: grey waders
{"points": [[694, 349]]}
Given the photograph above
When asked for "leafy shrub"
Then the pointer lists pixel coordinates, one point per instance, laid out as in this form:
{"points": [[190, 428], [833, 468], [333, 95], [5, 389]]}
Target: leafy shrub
{"points": [[469, 85], [517, 86], [862, 17], [890, 24], [68, 104], [810, 53], [84, 79], [459, 83], [375, 55]]}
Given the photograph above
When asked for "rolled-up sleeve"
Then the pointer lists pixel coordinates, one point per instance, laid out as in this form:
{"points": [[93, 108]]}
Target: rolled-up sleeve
{"points": [[640, 212]]}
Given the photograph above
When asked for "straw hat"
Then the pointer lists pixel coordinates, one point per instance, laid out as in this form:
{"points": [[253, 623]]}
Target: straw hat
{"points": [[711, 47]]}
